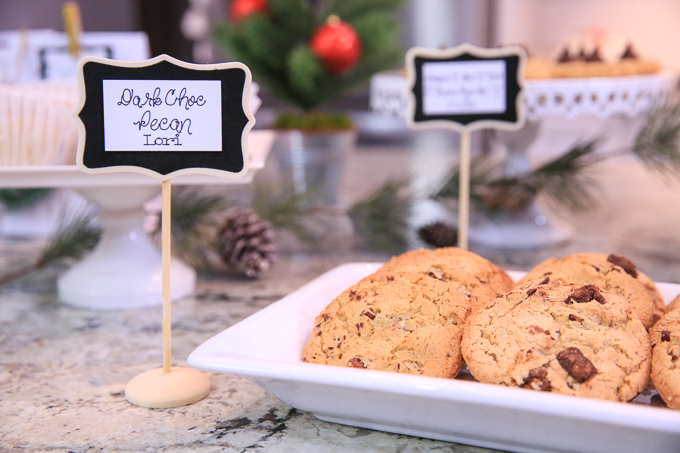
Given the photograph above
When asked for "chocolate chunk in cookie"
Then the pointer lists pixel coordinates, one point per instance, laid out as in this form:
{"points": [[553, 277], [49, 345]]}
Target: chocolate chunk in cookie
{"points": [[538, 379], [627, 265], [576, 364], [585, 294]]}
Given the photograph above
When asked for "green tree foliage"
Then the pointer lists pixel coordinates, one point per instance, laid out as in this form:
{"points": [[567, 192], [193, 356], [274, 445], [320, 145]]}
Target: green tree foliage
{"points": [[275, 46]]}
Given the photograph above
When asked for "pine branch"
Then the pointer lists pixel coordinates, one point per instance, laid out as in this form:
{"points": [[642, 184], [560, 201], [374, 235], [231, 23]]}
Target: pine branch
{"points": [[293, 16], [383, 217], [564, 181], [657, 142], [193, 224], [275, 46], [349, 10], [74, 235], [482, 173], [14, 199], [284, 211], [305, 74]]}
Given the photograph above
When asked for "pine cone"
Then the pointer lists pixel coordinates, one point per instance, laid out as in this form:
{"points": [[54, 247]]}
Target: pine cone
{"points": [[439, 234], [247, 243]]}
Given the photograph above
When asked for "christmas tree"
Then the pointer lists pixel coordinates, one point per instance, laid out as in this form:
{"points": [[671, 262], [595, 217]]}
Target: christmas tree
{"points": [[308, 52]]}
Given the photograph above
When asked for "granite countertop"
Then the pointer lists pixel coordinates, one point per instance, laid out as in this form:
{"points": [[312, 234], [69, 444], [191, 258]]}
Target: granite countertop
{"points": [[63, 373], [63, 370]]}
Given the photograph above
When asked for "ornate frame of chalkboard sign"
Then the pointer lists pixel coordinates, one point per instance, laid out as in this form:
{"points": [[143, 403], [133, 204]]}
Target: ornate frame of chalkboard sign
{"points": [[458, 82], [228, 156]]}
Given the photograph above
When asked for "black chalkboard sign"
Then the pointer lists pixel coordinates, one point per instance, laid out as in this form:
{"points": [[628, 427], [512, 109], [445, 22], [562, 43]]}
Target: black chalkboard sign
{"points": [[465, 88], [163, 117]]}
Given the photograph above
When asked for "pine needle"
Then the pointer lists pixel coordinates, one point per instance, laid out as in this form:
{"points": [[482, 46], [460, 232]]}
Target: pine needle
{"points": [[14, 199], [383, 217], [74, 235], [275, 46], [564, 181], [659, 138], [482, 173], [284, 211], [194, 218]]}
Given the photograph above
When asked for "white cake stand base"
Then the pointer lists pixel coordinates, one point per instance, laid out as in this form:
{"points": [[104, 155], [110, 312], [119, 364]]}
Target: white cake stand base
{"points": [[124, 270], [525, 230]]}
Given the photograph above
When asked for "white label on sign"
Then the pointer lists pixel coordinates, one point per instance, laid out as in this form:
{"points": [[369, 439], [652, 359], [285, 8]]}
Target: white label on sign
{"points": [[162, 115], [464, 87]]}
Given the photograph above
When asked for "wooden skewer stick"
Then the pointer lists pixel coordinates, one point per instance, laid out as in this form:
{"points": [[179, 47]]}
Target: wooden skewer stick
{"points": [[167, 386], [464, 190], [166, 256], [72, 26]]}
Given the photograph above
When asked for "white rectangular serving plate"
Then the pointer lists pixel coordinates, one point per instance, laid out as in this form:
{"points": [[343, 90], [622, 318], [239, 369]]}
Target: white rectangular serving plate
{"points": [[266, 348]]}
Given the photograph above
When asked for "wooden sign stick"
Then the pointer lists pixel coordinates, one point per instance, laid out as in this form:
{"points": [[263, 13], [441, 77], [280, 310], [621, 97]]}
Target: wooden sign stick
{"points": [[167, 387], [464, 190], [166, 255]]}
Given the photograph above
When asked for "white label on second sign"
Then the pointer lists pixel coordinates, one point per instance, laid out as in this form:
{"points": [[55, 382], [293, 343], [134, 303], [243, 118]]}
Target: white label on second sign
{"points": [[464, 87], [162, 115]]}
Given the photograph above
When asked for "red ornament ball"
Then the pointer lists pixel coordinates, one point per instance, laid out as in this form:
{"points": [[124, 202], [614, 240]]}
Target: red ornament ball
{"points": [[240, 9], [337, 46]]}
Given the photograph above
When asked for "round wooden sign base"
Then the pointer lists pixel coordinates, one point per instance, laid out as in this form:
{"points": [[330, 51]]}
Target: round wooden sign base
{"points": [[179, 387]]}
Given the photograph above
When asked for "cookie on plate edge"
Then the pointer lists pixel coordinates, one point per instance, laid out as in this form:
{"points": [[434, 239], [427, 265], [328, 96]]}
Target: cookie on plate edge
{"points": [[398, 321], [613, 273], [563, 338], [665, 337]]}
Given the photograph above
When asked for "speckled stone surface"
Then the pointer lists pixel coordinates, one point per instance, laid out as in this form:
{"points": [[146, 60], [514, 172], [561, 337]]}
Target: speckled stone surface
{"points": [[63, 370], [63, 373]]}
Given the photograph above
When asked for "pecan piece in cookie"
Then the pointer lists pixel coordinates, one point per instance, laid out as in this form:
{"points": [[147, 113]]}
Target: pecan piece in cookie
{"points": [[586, 293], [436, 272], [355, 362], [576, 364], [369, 314], [538, 379], [627, 265]]}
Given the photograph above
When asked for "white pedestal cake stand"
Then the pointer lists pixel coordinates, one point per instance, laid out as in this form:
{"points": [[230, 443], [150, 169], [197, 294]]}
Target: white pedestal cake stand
{"points": [[600, 98], [124, 270]]}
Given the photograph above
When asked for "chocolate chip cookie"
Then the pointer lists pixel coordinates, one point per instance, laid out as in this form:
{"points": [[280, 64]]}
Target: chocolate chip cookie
{"points": [[571, 339], [674, 305], [477, 293], [392, 321], [449, 261], [613, 273], [665, 337]]}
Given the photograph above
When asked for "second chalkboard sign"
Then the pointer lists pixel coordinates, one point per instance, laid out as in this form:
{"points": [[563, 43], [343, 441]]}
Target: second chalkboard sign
{"points": [[164, 117], [465, 88]]}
